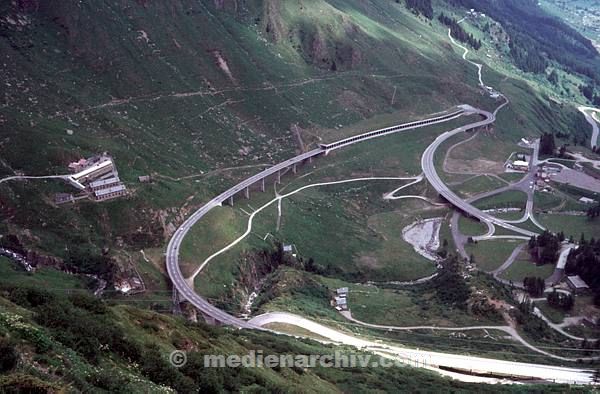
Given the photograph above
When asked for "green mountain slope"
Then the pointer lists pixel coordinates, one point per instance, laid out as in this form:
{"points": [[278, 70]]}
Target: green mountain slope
{"points": [[54, 342], [188, 85], [185, 88], [192, 87], [201, 94]]}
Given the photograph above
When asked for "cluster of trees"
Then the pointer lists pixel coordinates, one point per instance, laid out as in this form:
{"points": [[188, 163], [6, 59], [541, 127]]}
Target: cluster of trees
{"points": [[588, 92], [547, 144], [585, 262], [443, 251], [534, 286], [262, 262], [82, 259], [79, 321], [86, 325], [535, 327], [524, 54], [536, 36], [560, 300], [594, 212], [420, 7], [579, 130], [562, 151], [450, 286], [458, 32], [553, 77], [9, 357], [544, 248]]}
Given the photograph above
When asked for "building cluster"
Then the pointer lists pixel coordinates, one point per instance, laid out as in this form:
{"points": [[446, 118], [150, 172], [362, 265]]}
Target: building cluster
{"points": [[543, 177], [475, 14], [63, 198], [587, 200], [340, 299], [96, 177], [520, 164], [492, 92], [290, 250]]}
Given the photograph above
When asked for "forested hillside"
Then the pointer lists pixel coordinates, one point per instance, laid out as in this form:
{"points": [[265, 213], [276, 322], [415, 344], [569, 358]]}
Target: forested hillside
{"points": [[58, 343], [537, 38]]}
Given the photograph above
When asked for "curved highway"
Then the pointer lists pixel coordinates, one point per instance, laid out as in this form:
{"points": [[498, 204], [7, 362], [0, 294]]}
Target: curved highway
{"points": [[440, 360], [185, 289], [589, 114], [428, 163], [435, 360], [428, 166], [172, 254]]}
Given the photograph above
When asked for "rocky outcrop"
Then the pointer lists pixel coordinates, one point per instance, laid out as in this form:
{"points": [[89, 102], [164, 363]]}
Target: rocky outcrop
{"points": [[36, 259], [325, 49], [272, 22], [39, 260]]}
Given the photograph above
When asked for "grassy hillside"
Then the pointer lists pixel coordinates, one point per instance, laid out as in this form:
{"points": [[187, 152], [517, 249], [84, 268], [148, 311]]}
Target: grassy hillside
{"points": [[202, 88], [202, 94], [52, 342], [192, 87]]}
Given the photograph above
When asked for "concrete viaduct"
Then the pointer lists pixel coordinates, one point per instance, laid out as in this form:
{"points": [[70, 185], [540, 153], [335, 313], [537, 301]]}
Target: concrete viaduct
{"points": [[184, 290]]}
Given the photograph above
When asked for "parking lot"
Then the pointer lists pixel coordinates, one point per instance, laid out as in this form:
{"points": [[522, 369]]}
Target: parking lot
{"points": [[577, 179]]}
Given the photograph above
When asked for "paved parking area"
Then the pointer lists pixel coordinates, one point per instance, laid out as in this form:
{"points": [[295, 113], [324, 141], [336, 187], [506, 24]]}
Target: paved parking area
{"points": [[578, 179]]}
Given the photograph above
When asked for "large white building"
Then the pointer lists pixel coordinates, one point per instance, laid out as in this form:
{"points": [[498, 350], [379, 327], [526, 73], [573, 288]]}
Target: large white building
{"points": [[521, 165], [111, 192], [98, 177]]}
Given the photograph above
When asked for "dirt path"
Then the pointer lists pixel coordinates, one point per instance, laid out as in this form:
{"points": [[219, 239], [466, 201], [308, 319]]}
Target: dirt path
{"points": [[277, 199], [213, 172], [449, 152], [25, 177], [507, 329], [202, 93], [509, 261]]}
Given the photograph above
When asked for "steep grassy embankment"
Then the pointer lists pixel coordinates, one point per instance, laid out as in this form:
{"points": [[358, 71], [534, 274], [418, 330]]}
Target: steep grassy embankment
{"points": [[54, 342]]}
